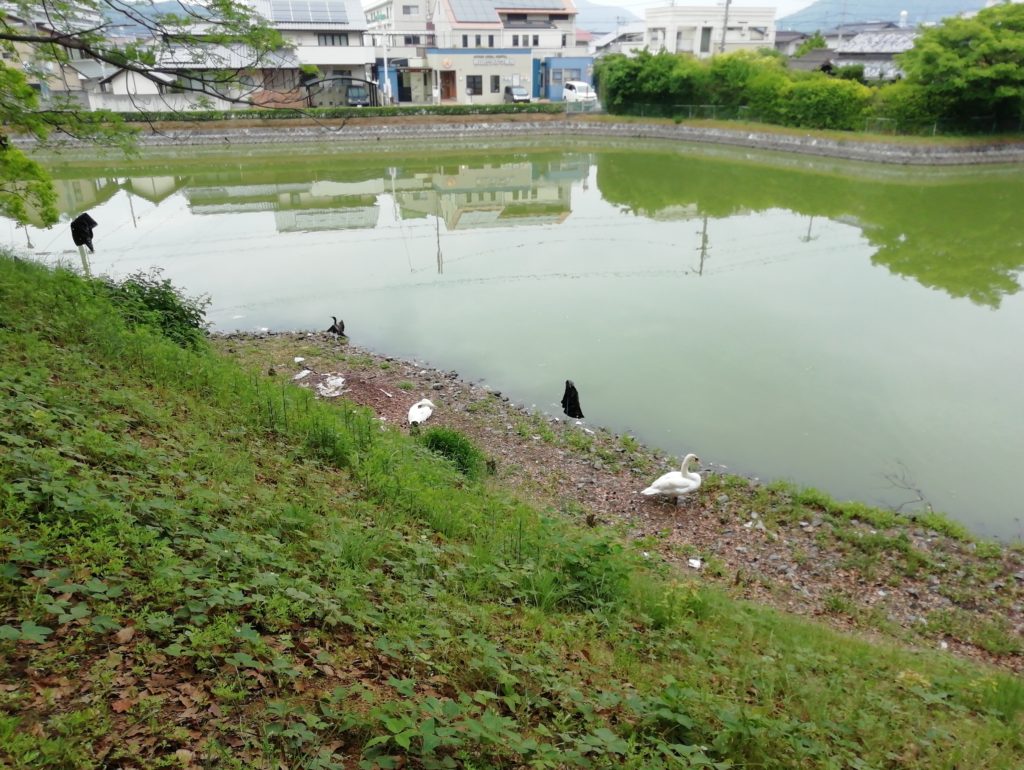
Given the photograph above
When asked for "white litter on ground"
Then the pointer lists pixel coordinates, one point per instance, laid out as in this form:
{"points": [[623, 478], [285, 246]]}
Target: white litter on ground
{"points": [[332, 385]]}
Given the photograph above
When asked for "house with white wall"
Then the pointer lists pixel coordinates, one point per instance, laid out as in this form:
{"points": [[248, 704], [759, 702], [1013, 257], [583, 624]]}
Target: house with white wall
{"points": [[627, 39], [707, 30], [482, 46], [328, 34], [468, 50], [401, 31]]}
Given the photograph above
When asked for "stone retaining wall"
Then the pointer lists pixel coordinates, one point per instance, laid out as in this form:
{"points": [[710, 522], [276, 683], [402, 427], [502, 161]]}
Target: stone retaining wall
{"points": [[453, 133]]}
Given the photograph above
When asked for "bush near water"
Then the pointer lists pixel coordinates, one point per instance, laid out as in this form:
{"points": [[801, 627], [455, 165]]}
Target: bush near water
{"points": [[205, 567], [962, 76]]}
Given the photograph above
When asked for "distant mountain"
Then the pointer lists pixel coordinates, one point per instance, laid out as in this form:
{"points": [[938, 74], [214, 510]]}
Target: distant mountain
{"points": [[601, 18], [829, 14]]}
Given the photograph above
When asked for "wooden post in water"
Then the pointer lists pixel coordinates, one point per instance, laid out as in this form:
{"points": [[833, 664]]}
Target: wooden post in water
{"points": [[85, 262]]}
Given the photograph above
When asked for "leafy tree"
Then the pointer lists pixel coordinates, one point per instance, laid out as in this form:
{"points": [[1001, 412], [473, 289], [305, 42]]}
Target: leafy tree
{"points": [[912, 106], [850, 72], [663, 79], [824, 102], [973, 66], [46, 35], [731, 75], [812, 43]]}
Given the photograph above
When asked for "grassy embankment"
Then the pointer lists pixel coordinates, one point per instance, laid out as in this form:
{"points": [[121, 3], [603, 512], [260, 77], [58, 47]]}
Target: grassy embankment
{"points": [[203, 569]]}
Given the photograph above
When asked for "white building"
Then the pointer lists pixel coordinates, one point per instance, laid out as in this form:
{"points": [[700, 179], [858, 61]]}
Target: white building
{"points": [[468, 50], [401, 31], [707, 30], [330, 34], [626, 39]]}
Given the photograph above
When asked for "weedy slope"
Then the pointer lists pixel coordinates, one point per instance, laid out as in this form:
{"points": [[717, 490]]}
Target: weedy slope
{"points": [[201, 569]]}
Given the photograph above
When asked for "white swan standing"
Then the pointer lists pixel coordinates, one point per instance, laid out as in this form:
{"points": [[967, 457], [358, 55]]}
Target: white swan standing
{"points": [[676, 483], [420, 411]]}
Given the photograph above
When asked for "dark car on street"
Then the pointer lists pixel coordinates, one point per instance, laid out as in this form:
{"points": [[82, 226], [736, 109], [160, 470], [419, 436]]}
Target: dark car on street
{"points": [[516, 94]]}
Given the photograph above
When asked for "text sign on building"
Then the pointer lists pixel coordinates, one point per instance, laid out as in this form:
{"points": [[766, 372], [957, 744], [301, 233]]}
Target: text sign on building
{"points": [[492, 60]]}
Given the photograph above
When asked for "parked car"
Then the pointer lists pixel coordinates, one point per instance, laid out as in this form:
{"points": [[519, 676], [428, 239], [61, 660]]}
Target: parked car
{"points": [[578, 91], [357, 96], [516, 94]]}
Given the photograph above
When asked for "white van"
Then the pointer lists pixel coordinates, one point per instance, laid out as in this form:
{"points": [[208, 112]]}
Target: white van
{"points": [[578, 91]]}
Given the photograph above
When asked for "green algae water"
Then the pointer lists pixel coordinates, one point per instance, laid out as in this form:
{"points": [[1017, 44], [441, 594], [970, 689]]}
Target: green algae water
{"points": [[855, 328]]}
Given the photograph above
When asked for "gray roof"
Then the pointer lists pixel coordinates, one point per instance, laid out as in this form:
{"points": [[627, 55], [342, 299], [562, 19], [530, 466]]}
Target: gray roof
{"points": [[785, 35], [92, 68], [812, 60], [866, 26], [222, 57], [139, 20], [884, 42]]}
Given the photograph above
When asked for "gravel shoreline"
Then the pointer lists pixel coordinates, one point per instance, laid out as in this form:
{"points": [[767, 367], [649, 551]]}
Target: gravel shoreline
{"points": [[903, 581]]}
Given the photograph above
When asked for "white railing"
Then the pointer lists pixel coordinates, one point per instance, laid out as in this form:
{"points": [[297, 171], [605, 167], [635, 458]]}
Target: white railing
{"points": [[155, 102]]}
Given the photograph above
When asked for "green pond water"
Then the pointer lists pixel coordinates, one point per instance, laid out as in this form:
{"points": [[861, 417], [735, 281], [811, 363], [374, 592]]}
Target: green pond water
{"points": [[851, 327]]}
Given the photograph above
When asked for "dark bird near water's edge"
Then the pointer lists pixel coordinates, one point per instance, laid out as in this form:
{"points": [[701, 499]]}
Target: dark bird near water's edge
{"points": [[571, 401], [338, 327], [81, 231]]}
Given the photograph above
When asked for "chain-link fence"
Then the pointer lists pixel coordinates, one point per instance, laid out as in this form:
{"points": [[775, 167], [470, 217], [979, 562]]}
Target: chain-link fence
{"points": [[686, 111], [577, 108]]}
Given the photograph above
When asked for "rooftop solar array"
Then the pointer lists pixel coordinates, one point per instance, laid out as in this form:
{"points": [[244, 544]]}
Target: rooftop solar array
{"points": [[539, 5], [474, 10], [309, 11], [485, 10]]}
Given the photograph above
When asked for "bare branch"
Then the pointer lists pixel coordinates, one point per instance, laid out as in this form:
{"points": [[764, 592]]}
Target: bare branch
{"points": [[902, 480]]}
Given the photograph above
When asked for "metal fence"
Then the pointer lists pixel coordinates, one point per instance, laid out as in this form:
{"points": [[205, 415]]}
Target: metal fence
{"points": [[970, 126], [577, 108]]}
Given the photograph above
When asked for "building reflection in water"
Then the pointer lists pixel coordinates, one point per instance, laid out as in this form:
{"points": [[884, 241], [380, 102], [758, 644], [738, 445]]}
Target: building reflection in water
{"points": [[463, 197]]}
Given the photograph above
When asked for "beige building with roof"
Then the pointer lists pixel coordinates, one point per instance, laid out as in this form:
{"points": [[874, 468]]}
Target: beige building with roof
{"points": [[468, 51], [707, 30]]}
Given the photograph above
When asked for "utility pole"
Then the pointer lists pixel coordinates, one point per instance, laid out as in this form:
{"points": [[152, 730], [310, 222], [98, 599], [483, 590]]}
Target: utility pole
{"points": [[725, 26]]}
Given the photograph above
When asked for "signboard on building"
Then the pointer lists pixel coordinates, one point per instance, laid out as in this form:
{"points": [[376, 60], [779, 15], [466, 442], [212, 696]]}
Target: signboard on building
{"points": [[493, 60]]}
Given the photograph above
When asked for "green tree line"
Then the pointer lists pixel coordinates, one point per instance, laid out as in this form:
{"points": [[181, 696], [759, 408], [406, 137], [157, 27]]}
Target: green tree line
{"points": [[965, 74]]}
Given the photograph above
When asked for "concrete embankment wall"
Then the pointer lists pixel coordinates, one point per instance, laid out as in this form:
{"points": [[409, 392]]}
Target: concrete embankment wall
{"points": [[455, 132]]}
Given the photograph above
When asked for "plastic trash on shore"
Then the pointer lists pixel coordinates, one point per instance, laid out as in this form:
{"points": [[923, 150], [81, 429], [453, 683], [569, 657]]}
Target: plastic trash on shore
{"points": [[303, 374], [331, 386], [695, 563]]}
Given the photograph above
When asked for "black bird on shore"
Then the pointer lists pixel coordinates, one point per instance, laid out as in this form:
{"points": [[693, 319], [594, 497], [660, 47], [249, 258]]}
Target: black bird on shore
{"points": [[571, 401], [338, 327]]}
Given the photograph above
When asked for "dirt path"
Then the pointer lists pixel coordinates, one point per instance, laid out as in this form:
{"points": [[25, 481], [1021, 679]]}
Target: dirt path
{"points": [[773, 545]]}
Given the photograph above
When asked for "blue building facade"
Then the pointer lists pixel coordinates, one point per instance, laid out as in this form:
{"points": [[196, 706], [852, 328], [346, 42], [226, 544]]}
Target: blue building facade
{"points": [[558, 69]]}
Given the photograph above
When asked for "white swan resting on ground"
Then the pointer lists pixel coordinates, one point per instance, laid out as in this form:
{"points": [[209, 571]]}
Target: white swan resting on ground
{"points": [[420, 411], [676, 483]]}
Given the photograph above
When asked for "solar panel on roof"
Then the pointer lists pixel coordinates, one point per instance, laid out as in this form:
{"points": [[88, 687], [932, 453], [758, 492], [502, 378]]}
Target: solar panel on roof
{"points": [[547, 5], [309, 10], [474, 10]]}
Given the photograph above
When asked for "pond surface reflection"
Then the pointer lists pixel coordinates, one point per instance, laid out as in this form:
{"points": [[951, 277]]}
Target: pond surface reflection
{"points": [[850, 328]]}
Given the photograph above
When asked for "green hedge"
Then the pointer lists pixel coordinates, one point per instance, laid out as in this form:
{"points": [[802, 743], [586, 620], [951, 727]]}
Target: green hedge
{"points": [[342, 112], [756, 85]]}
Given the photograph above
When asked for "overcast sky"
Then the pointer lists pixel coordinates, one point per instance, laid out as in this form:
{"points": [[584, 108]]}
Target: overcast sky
{"points": [[783, 7]]}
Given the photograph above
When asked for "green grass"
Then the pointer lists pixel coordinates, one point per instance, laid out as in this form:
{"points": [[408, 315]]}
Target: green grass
{"points": [[196, 558]]}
